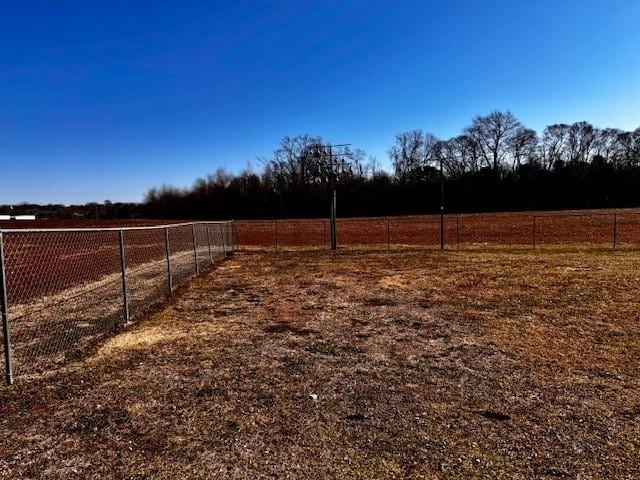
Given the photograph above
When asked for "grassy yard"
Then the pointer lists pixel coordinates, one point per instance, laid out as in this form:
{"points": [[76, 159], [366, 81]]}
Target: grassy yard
{"points": [[482, 364]]}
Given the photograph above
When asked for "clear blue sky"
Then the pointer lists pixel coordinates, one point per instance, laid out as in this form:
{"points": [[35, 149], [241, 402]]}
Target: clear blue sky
{"points": [[103, 100]]}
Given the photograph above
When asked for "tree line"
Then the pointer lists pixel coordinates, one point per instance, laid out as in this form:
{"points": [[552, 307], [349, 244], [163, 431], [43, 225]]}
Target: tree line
{"points": [[495, 164]]}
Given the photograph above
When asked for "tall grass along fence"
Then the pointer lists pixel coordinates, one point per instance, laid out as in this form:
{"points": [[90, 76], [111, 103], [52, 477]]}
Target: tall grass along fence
{"points": [[614, 230], [61, 289]]}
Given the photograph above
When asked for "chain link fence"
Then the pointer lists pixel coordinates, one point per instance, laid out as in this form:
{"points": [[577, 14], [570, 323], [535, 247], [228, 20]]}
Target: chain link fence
{"points": [[619, 230], [62, 289]]}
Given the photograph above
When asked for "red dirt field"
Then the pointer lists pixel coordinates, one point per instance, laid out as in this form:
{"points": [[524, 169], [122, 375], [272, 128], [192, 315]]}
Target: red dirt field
{"points": [[525, 229], [43, 263]]}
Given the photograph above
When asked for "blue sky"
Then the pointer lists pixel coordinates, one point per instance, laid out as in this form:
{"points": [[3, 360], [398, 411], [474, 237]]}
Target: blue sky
{"points": [[103, 100]]}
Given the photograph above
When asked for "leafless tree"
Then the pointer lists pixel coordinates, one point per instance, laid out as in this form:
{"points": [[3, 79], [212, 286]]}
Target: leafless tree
{"points": [[412, 151], [552, 145], [492, 134], [607, 144], [522, 146], [581, 141]]}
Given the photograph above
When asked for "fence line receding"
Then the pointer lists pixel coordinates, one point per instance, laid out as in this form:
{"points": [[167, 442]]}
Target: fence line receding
{"points": [[616, 230], [61, 289]]}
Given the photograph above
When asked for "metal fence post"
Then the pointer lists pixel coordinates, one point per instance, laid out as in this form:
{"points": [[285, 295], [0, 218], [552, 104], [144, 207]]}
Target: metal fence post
{"points": [[233, 235], [441, 227], [123, 263], [209, 245], [224, 247], [615, 230], [168, 251], [458, 232], [195, 247], [8, 365]]}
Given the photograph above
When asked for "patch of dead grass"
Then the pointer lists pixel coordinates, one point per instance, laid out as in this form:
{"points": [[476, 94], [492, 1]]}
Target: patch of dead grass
{"points": [[484, 364]]}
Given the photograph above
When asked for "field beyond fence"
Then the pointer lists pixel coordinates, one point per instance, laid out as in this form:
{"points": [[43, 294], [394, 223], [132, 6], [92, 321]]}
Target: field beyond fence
{"points": [[617, 229]]}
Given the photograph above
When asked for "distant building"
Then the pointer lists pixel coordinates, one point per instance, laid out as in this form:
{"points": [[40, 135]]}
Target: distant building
{"points": [[6, 218]]}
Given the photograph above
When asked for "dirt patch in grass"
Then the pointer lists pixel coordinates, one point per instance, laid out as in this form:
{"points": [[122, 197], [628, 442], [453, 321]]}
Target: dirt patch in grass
{"points": [[495, 364]]}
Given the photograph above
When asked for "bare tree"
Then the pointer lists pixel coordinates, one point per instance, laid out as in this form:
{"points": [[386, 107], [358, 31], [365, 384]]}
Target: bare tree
{"points": [[607, 144], [412, 152], [458, 155], [552, 145], [581, 141], [522, 146], [492, 134]]}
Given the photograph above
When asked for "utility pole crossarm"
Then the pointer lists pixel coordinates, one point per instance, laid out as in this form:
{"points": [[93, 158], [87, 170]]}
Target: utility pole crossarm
{"points": [[333, 162]]}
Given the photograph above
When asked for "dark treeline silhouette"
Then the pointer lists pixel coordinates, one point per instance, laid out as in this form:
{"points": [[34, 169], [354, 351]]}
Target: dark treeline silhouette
{"points": [[101, 211], [495, 164]]}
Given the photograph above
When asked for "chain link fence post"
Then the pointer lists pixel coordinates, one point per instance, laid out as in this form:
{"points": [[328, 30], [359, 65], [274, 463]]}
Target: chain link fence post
{"points": [[209, 245], [123, 264], [168, 254], [224, 248], [8, 365], [234, 235], [195, 247]]}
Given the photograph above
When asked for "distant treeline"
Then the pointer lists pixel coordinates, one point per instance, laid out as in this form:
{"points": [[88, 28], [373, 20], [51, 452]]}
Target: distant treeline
{"points": [[495, 164], [107, 210]]}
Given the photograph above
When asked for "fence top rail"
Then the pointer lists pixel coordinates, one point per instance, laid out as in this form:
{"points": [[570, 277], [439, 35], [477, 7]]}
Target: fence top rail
{"points": [[110, 229]]}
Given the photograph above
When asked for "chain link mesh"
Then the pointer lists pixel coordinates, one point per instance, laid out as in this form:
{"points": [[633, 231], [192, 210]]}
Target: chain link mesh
{"points": [[66, 288], [181, 254], [63, 287], [521, 230], [147, 274]]}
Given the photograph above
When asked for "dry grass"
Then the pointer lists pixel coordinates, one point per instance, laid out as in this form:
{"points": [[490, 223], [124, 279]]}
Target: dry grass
{"points": [[484, 364]]}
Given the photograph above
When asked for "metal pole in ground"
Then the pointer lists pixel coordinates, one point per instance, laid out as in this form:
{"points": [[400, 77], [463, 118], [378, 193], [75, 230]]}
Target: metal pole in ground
{"points": [[615, 230], [168, 252], [333, 200], [209, 245], [233, 237], [123, 264], [224, 248], [533, 230], [458, 232], [334, 235], [195, 247], [441, 206], [8, 365]]}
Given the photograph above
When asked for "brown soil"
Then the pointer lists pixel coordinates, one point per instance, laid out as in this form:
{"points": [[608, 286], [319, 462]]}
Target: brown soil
{"points": [[522, 229], [485, 364]]}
